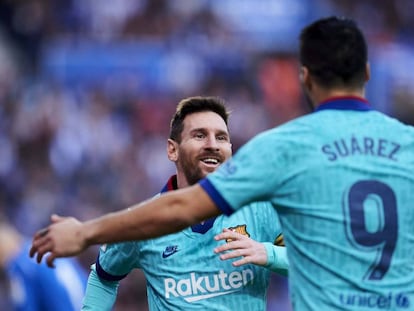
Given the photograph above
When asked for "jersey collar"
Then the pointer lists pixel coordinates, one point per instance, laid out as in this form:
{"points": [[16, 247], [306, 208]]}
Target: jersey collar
{"points": [[198, 228], [345, 103], [171, 184]]}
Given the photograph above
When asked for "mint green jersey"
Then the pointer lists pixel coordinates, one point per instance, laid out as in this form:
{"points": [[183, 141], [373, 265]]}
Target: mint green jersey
{"points": [[184, 273], [342, 182]]}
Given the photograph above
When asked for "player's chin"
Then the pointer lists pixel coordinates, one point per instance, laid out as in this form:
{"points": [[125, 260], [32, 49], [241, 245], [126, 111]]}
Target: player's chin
{"points": [[207, 169]]}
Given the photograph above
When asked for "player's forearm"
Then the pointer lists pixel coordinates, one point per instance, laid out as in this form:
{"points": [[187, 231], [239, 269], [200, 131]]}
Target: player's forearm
{"points": [[165, 214], [134, 223]]}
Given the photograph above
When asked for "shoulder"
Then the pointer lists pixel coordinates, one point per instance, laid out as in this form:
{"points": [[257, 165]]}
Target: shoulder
{"points": [[291, 131]]}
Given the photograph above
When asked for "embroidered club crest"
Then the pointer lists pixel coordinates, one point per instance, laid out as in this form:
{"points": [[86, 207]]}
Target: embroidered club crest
{"points": [[241, 229]]}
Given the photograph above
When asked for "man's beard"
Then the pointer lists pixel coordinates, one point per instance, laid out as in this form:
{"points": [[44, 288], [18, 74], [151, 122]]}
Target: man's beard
{"points": [[191, 169], [192, 172]]}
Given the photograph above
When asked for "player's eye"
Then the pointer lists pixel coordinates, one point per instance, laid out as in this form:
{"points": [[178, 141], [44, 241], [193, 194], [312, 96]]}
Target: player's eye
{"points": [[222, 138], [199, 135]]}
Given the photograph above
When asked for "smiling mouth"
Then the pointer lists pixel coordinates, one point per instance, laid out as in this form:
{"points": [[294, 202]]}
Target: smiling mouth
{"points": [[211, 161]]}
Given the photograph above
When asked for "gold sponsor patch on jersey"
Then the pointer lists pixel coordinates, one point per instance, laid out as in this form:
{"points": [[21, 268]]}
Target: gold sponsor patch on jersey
{"points": [[241, 229], [279, 241]]}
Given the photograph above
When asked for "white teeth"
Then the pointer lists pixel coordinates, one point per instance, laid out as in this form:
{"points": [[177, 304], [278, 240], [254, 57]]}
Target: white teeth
{"points": [[211, 160]]}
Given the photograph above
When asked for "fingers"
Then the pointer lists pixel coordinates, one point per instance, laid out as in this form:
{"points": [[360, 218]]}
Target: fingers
{"points": [[50, 260], [40, 248], [237, 247], [56, 218], [39, 257], [230, 235], [41, 244], [241, 262], [43, 249], [237, 241], [43, 232], [32, 251], [241, 248], [243, 256], [234, 254], [38, 240], [234, 245]]}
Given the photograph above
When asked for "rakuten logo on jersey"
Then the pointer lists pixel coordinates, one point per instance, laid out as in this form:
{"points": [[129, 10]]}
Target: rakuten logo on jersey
{"points": [[203, 287]]}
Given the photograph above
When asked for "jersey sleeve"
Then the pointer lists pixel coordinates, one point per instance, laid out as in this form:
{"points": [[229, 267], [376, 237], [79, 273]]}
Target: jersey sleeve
{"points": [[277, 260], [100, 295], [116, 260], [274, 242], [250, 176]]}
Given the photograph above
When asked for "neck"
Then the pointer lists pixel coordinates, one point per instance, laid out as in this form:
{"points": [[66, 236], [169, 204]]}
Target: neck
{"points": [[323, 95], [181, 181]]}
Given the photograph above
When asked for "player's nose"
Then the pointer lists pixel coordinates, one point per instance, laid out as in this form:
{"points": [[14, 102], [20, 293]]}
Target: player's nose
{"points": [[212, 143]]}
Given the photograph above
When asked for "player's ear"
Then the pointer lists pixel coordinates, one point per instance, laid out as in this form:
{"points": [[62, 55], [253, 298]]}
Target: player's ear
{"points": [[172, 150], [367, 72], [305, 77]]}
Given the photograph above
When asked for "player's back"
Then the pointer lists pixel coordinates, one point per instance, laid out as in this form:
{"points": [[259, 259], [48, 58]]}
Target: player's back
{"points": [[347, 210]]}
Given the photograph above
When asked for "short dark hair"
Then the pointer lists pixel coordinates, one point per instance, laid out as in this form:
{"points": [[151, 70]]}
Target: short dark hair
{"points": [[192, 105], [335, 52]]}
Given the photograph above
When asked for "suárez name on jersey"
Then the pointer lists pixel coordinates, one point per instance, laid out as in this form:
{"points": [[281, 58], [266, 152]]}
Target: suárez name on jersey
{"points": [[201, 287], [355, 145]]}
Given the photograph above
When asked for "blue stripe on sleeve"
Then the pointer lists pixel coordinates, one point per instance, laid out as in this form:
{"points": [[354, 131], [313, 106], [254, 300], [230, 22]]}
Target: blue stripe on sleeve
{"points": [[105, 275], [216, 197]]}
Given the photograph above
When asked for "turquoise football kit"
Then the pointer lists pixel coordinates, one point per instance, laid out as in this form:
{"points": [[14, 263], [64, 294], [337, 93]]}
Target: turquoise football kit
{"points": [[183, 272], [342, 182]]}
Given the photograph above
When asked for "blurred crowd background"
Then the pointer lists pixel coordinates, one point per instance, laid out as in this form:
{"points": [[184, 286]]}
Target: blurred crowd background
{"points": [[87, 89]]}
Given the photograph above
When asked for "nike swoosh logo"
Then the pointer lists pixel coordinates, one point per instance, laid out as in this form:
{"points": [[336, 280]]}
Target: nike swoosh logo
{"points": [[169, 252]]}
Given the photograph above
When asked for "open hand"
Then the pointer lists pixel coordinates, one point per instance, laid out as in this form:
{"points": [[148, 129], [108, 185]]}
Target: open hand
{"points": [[62, 238], [242, 246]]}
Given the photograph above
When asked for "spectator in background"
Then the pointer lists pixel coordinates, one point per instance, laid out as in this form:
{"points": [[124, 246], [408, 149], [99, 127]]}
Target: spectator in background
{"points": [[31, 286], [281, 96]]}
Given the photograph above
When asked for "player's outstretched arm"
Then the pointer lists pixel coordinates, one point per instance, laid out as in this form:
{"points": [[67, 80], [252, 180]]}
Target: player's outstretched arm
{"points": [[168, 213], [252, 252]]}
